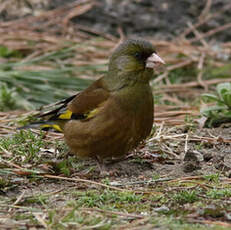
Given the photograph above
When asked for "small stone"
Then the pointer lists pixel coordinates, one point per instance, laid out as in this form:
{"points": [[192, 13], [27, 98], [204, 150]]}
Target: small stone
{"points": [[212, 211], [192, 161], [208, 157], [193, 156], [191, 166], [161, 209]]}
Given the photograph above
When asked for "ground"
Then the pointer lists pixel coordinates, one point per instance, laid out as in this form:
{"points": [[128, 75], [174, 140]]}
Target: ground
{"points": [[179, 178], [160, 185]]}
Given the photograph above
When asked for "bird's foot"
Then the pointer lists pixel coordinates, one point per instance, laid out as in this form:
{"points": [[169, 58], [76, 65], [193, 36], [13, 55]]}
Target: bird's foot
{"points": [[116, 160], [106, 171], [102, 167]]}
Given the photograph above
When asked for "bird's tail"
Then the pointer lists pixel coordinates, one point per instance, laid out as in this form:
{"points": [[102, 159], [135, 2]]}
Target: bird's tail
{"points": [[55, 118], [44, 125]]}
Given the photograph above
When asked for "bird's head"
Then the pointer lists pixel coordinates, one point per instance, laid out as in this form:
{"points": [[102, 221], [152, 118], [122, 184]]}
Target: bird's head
{"points": [[133, 58]]}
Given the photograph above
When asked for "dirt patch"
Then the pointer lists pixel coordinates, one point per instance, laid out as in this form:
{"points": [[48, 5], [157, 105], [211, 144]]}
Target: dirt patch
{"points": [[204, 158]]}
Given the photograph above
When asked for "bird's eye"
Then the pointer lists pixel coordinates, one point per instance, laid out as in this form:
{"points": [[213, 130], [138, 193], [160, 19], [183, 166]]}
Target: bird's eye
{"points": [[137, 55]]}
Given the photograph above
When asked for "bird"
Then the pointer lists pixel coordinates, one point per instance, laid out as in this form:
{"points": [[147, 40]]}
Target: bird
{"points": [[115, 113]]}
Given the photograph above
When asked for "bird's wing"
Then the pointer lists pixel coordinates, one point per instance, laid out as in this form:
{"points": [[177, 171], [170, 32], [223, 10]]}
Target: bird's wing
{"points": [[89, 99], [81, 106]]}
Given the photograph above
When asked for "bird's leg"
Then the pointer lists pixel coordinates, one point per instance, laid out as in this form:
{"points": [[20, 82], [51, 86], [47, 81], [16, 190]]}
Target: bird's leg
{"points": [[102, 167], [117, 159]]}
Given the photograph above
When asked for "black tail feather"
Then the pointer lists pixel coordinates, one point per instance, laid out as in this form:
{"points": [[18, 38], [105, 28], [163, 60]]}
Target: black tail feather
{"points": [[64, 103]]}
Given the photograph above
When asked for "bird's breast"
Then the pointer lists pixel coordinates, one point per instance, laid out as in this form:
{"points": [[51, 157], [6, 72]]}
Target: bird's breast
{"points": [[138, 102]]}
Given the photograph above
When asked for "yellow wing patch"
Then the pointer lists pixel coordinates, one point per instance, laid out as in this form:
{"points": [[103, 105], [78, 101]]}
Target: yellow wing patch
{"points": [[92, 113], [66, 115], [55, 126]]}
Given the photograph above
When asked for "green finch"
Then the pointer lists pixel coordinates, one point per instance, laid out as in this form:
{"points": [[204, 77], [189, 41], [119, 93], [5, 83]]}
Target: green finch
{"points": [[114, 114]]}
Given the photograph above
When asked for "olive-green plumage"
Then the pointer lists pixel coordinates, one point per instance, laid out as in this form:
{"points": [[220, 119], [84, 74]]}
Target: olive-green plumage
{"points": [[115, 113]]}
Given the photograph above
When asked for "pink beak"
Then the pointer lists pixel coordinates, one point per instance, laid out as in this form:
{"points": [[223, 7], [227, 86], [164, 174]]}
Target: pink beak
{"points": [[153, 61]]}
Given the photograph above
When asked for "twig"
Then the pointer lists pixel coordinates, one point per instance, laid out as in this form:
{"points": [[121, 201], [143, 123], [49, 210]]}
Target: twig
{"points": [[200, 74], [179, 65], [18, 200], [85, 181], [220, 223], [184, 86], [7, 153], [134, 224], [41, 219], [11, 164], [188, 178], [121, 34], [212, 32], [76, 11], [141, 182], [205, 12], [205, 19], [211, 140], [198, 35], [175, 113], [170, 68], [113, 212], [185, 146], [160, 78]]}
